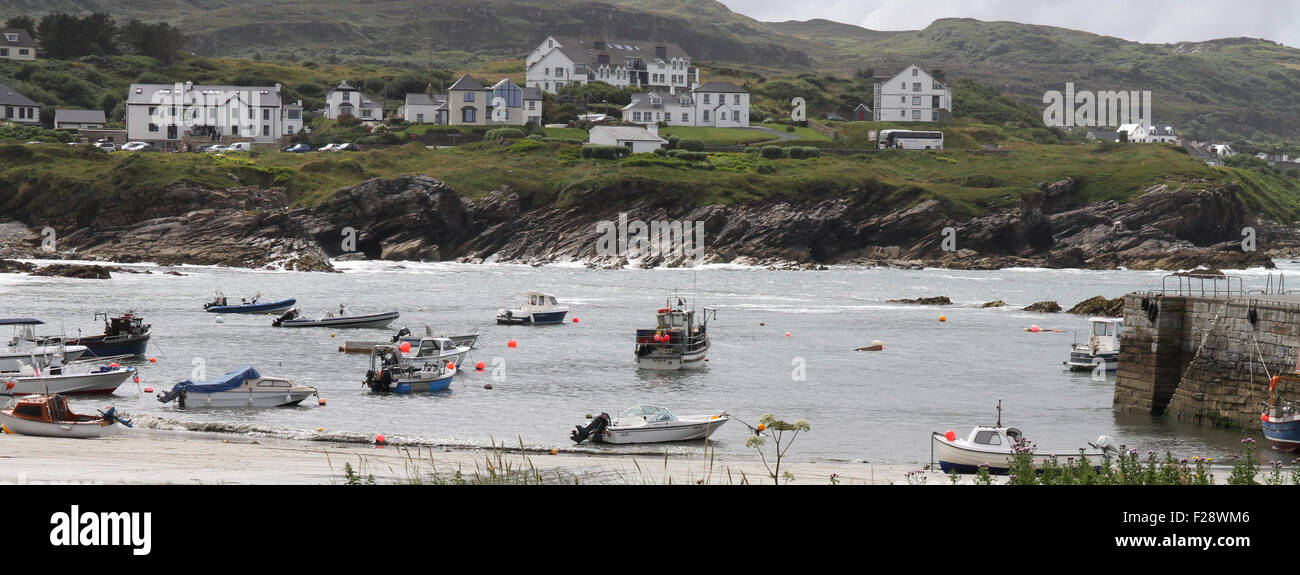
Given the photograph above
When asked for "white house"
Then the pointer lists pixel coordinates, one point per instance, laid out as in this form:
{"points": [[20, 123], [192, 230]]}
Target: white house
{"points": [[425, 109], [714, 104], [172, 114], [635, 138], [345, 99], [78, 119], [561, 60], [18, 108], [912, 95], [1221, 150], [16, 44], [1147, 134]]}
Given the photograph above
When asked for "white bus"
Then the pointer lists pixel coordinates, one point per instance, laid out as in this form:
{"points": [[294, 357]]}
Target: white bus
{"points": [[911, 140]]}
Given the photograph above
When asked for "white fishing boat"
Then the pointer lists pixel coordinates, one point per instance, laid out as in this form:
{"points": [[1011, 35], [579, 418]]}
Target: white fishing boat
{"points": [[390, 371], [649, 424], [678, 341], [994, 445], [22, 346], [68, 380], [1102, 348], [433, 349], [239, 387], [50, 416], [293, 318], [541, 309]]}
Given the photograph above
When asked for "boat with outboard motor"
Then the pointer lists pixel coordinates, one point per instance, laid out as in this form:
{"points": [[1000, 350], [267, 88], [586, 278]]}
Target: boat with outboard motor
{"points": [[433, 349], [678, 340], [293, 318], [124, 336], [541, 309], [392, 372], [1102, 348], [22, 348], [992, 447], [48, 415], [648, 424], [221, 305], [77, 378], [239, 387], [404, 335]]}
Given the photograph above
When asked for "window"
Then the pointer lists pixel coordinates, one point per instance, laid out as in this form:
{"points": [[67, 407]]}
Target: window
{"points": [[686, 118], [550, 43], [467, 115], [559, 72], [419, 118], [288, 129], [902, 113], [153, 127], [469, 96], [988, 438], [11, 37], [916, 87], [736, 101], [23, 51], [722, 116], [916, 114], [266, 130], [234, 130], [548, 72], [915, 71], [636, 116], [511, 94], [266, 114], [295, 114], [934, 115], [706, 98], [916, 100], [9, 111], [532, 104], [706, 115], [153, 110], [4, 52], [903, 98], [347, 96], [365, 113]]}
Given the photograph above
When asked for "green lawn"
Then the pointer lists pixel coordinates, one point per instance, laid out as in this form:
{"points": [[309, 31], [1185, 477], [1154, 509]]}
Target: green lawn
{"points": [[716, 136], [802, 132], [572, 133]]}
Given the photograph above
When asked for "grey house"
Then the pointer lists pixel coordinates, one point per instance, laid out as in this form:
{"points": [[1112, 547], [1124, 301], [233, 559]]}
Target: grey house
{"points": [[16, 107], [78, 119]]}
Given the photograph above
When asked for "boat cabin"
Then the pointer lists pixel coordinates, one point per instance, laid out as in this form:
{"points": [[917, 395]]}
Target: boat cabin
{"points": [[48, 408], [989, 436], [126, 324], [22, 329], [1104, 334], [650, 413], [539, 299], [433, 347]]}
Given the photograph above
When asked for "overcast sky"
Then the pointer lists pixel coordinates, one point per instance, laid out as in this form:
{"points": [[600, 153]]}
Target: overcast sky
{"points": [[1148, 21]]}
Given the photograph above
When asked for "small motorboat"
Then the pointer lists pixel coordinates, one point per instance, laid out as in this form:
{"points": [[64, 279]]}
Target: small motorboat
{"points": [[678, 341], [404, 335], [292, 318], [239, 387], [993, 446], [221, 305], [22, 347], [68, 380], [1102, 348], [648, 424], [124, 336], [541, 309], [1281, 418], [433, 349], [50, 416], [392, 372]]}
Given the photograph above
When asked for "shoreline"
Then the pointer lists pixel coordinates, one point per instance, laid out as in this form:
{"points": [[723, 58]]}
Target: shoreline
{"points": [[154, 457]]}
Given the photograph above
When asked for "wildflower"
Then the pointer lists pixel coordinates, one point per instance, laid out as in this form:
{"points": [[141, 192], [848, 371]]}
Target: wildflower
{"points": [[753, 441], [801, 425]]}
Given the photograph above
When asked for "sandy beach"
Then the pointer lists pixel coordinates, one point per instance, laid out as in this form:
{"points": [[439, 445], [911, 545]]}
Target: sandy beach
{"points": [[143, 456]]}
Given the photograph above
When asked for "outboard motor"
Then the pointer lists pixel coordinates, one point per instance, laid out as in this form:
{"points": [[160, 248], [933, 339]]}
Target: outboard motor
{"points": [[401, 333], [595, 429], [288, 315], [1107, 444], [381, 382]]}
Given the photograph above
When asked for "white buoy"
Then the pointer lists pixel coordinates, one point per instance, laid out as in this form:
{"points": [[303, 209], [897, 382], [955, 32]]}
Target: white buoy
{"points": [[219, 320]]}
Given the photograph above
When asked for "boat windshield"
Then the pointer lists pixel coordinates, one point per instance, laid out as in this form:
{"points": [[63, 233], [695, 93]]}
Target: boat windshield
{"points": [[650, 412]]}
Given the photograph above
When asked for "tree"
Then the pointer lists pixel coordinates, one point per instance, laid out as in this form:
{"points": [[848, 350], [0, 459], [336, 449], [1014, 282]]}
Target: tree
{"points": [[162, 40], [65, 36]]}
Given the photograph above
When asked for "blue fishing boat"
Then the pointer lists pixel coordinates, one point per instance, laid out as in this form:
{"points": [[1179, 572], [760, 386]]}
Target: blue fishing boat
{"points": [[1281, 418], [124, 335], [392, 372], [221, 305], [541, 309]]}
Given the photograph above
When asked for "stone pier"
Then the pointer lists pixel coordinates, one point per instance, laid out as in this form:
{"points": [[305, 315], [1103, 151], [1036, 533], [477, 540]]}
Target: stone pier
{"points": [[1200, 358]]}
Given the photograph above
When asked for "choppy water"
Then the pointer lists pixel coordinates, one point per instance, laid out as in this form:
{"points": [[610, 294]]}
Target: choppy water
{"points": [[877, 406]]}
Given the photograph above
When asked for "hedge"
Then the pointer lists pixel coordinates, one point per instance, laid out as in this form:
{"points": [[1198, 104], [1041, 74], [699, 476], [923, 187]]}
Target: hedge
{"points": [[773, 152], [672, 142], [691, 144], [799, 152], [598, 151], [507, 133]]}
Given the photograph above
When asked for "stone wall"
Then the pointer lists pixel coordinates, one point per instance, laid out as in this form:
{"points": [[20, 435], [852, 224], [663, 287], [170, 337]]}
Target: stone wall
{"points": [[1200, 359]]}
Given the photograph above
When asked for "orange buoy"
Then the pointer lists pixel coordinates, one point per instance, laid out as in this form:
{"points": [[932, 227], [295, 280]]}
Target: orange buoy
{"points": [[487, 386], [451, 365], [512, 344], [554, 451], [321, 402], [479, 366], [761, 426], [114, 365], [943, 318], [950, 436], [405, 347], [147, 389], [380, 439], [575, 320], [320, 429], [153, 360], [787, 334], [1263, 417], [1034, 328]]}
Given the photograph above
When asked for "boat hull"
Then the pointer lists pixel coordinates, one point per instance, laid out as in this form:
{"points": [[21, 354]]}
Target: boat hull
{"points": [[535, 318], [655, 433], [244, 398], [671, 361], [406, 386], [1085, 361], [953, 457], [116, 346], [378, 320], [103, 382], [269, 307], [1283, 433], [81, 429]]}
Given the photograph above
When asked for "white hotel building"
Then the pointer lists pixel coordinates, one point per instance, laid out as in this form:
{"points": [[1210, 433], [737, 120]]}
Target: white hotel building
{"points": [[170, 115], [912, 95], [561, 60]]}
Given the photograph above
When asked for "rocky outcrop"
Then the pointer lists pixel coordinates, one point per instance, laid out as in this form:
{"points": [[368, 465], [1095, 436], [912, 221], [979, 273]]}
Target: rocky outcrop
{"points": [[994, 303], [938, 300], [1099, 306], [74, 271], [1044, 307]]}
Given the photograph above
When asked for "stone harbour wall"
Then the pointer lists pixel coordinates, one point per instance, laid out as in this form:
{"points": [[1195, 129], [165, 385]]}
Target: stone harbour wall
{"points": [[1201, 358]]}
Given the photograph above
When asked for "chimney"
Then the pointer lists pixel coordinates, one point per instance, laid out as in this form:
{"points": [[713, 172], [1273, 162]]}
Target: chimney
{"points": [[602, 59], [661, 52], [277, 87], [189, 86], [598, 45]]}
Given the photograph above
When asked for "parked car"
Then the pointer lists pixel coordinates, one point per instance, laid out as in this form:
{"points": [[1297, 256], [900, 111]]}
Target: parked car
{"points": [[298, 148], [327, 148], [239, 147], [347, 148], [106, 146], [138, 147], [214, 148], [835, 117]]}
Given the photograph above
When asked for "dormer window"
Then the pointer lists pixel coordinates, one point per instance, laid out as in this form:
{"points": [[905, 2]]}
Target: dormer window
{"points": [[11, 37]]}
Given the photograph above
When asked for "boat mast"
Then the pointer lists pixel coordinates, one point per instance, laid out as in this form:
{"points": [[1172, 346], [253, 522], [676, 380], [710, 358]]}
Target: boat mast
{"points": [[999, 412]]}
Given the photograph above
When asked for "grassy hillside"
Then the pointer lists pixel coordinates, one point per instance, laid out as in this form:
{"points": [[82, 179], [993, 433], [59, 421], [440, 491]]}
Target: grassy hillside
{"points": [[54, 182]]}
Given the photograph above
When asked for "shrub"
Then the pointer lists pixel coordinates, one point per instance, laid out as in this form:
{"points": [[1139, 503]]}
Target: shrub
{"points": [[597, 151], [789, 128], [691, 144], [661, 152], [773, 152], [507, 133], [348, 120], [673, 141], [692, 156]]}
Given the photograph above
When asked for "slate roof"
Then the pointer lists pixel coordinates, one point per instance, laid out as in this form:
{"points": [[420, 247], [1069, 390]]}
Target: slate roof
{"points": [[633, 133], [467, 83], [581, 50], [719, 87], [79, 117], [8, 97], [265, 96], [24, 39]]}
